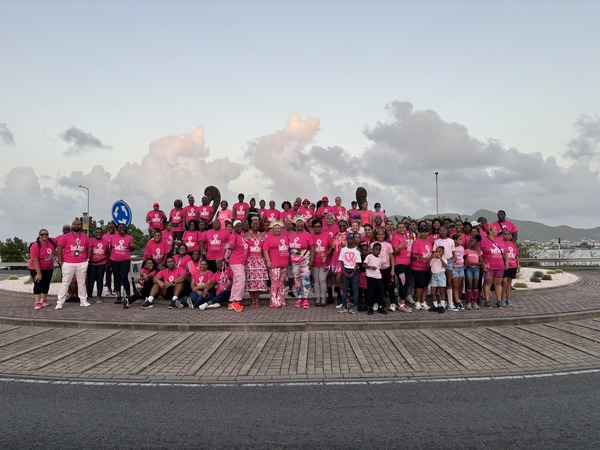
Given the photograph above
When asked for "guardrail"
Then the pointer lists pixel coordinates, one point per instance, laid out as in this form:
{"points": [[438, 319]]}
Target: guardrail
{"points": [[561, 261], [136, 265]]}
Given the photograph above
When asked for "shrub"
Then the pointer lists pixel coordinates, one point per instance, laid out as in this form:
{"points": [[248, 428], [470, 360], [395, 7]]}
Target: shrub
{"points": [[520, 284], [550, 272], [535, 279], [546, 277], [56, 275], [13, 277], [558, 271], [538, 273]]}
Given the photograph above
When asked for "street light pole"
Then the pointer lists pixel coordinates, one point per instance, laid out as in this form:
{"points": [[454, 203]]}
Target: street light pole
{"points": [[437, 199], [88, 207]]}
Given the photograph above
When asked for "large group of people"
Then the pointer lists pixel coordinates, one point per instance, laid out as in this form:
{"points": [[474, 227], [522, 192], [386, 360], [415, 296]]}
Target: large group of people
{"points": [[354, 257]]}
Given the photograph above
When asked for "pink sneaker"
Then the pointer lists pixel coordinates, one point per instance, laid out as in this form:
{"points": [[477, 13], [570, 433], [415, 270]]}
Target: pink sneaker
{"points": [[298, 304], [38, 306], [305, 304], [45, 303]]}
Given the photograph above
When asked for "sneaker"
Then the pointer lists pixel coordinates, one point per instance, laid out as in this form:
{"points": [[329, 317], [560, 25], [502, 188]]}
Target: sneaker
{"points": [[504, 303], [342, 310], [475, 305], [460, 307], [58, 306], [509, 303], [298, 303], [375, 306], [37, 306], [178, 304], [468, 306], [405, 308], [381, 310], [125, 303], [487, 304], [340, 306], [98, 300], [237, 307], [291, 294], [393, 307], [370, 312], [499, 305], [230, 306], [305, 304], [147, 305], [451, 307], [85, 303], [214, 305], [441, 310], [425, 306], [172, 305], [190, 303], [45, 303], [410, 299], [418, 306], [117, 301], [353, 310], [203, 306]]}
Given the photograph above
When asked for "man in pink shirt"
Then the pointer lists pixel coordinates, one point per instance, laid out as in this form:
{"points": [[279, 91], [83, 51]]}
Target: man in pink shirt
{"points": [[503, 225], [155, 219], [271, 214], [240, 209], [206, 212], [191, 210], [324, 208], [169, 282], [73, 254]]}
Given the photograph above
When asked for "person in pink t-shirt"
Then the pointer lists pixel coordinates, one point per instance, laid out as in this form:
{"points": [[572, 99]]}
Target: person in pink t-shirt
{"points": [[339, 211], [98, 262], [495, 262], [366, 216], [121, 245], [111, 228], [191, 211], [379, 213], [271, 215], [256, 269], [287, 213], [177, 218], [214, 244], [506, 225], [155, 219], [73, 254], [206, 212], [402, 244], [167, 234], [157, 249], [224, 214], [420, 254], [237, 255], [322, 245], [240, 209], [41, 266], [182, 258], [168, 283], [302, 253], [324, 209], [191, 238], [512, 255], [276, 251]]}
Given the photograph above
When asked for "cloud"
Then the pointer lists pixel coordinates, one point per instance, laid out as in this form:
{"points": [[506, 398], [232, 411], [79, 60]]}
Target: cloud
{"points": [[587, 145], [82, 142], [5, 135]]}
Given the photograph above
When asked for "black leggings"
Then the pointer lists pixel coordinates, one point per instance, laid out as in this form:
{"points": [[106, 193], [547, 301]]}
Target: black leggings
{"points": [[402, 288], [388, 283], [42, 286], [95, 274], [121, 271]]}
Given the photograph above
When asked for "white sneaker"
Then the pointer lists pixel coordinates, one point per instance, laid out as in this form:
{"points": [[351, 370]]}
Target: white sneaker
{"points": [[375, 306], [410, 299], [58, 306], [214, 305], [339, 306], [85, 303], [425, 306], [418, 305], [405, 308], [203, 306], [392, 307]]}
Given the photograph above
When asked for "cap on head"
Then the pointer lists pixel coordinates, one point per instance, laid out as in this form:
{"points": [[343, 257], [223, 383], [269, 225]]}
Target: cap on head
{"points": [[325, 199]]}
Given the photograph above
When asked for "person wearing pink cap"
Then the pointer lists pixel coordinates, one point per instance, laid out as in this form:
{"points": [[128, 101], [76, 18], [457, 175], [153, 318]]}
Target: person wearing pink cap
{"points": [[177, 218], [155, 219], [324, 209]]}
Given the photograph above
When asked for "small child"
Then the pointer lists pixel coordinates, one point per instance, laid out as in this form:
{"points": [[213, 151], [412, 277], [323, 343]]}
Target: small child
{"points": [[458, 270], [473, 262], [438, 264], [374, 281], [362, 279], [350, 258]]}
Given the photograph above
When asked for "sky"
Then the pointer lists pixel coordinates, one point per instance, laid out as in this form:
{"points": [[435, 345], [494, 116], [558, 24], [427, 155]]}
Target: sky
{"points": [[152, 100]]}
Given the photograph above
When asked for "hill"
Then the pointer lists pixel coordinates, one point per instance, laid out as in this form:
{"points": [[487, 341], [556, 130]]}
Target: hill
{"points": [[532, 231]]}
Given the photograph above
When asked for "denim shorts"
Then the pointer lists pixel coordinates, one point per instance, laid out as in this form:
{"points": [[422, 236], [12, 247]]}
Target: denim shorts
{"points": [[472, 273], [458, 272], [438, 279], [449, 265]]}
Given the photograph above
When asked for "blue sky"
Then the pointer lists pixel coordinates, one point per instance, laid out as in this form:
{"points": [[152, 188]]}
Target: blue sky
{"points": [[130, 73]]}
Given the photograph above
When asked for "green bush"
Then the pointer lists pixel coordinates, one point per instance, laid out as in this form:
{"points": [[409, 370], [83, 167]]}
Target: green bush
{"points": [[13, 277], [551, 272], [538, 273], [56, 275], [535, 279], [558, 271], [546, 277], [520, 284]]}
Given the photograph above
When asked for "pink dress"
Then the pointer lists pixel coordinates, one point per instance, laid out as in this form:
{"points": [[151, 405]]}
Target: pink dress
{"points": [[256, 269]]}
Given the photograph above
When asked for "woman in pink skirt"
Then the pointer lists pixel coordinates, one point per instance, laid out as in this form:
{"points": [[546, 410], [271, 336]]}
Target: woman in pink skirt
{"points": [[256, 269], [276, 251]]}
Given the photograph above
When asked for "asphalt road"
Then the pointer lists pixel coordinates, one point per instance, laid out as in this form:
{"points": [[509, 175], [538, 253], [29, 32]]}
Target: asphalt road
{"points": [[546, 412]]}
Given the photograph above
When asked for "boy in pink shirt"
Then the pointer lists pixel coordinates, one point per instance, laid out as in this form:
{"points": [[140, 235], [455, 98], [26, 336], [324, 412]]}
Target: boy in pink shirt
{"points": [[240, 209]]}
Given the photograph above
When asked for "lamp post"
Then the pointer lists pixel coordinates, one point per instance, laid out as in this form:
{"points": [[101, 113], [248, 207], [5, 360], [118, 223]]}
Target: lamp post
{"points": [[437, 199], [88, 207]]}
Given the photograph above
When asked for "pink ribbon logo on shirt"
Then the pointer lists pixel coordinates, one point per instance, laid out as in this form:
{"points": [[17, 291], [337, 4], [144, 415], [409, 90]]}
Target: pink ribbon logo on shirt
{"points": [[350, 257]]}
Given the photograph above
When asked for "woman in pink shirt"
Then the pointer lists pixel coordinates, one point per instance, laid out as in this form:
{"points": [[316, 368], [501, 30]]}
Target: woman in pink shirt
{"points": [[494, 264], [276, 251], [214, 244], [121, 245], [177, 218], [322, 246], [157, 248], [97, 265], [287, 212], [191, 237], [402, 244], [224, 214], [182, 258], [420, 254], [41, 265], [238, 254], [256, 268], [302, 254], [366, 216], [379, 213]]}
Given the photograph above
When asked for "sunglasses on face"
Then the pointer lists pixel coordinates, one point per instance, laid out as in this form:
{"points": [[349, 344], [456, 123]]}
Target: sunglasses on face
{"points": [[43, 234]]}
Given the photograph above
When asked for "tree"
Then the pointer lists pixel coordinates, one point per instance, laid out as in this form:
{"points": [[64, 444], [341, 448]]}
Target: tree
{"points": [[14, 250]]}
